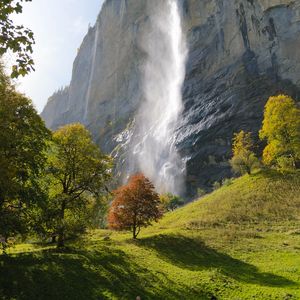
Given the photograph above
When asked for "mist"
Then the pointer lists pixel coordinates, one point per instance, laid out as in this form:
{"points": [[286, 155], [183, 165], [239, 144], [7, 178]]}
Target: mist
{"points": [[163, 74]]}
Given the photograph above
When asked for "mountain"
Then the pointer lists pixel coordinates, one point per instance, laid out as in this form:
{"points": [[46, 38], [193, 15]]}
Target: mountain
{"points": [[239, 53]]}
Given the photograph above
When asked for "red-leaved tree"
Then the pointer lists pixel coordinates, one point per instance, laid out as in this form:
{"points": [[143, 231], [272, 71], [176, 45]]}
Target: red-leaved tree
{"points": [[135, 205]]}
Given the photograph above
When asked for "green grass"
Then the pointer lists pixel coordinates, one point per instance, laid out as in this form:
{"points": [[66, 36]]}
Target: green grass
{"points": [[240, 242]]}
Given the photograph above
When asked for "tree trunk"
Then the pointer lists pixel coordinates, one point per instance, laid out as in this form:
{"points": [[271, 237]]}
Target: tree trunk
{"points": [[248, 170], [61, 230], [61, 239], [53, 239], [134, 232]]}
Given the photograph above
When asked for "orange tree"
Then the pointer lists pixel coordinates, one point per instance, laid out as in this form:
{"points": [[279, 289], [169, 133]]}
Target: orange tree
{"points": [[136, 205]]}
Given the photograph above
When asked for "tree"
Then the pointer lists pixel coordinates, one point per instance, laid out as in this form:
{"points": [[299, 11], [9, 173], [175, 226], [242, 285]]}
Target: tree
{"points": [[281, 129], [23, 143], [216, 185], [244, 161], [201, 192], [135, 205], [171, 202], [16, 38], [78, 173]]}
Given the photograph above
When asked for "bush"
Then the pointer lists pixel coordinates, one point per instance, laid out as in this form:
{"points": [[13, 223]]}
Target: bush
{"points": [[201, 192], [285, 164], [245, 163], [216, 185], [171, 202], [227, 181]]}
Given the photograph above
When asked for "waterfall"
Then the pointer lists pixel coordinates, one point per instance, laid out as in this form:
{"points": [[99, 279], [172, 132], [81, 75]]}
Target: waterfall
{"points": [[155, 153], [91, 76]]}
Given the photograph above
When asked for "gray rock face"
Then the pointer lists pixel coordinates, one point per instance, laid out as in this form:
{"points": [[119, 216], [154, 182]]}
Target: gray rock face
{"points": [[104, 91], [240, 53]]}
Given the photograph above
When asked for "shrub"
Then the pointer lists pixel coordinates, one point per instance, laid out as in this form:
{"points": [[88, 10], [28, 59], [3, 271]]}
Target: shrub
{"points": [[171, 202]]}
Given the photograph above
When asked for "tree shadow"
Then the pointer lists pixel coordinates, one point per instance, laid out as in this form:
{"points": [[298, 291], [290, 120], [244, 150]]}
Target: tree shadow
{"points": [[74, 274], [194, 255]]}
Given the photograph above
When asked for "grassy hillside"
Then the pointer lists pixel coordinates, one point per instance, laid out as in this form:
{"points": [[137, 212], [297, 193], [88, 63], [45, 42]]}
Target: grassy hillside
{"points": [[240, 242]]}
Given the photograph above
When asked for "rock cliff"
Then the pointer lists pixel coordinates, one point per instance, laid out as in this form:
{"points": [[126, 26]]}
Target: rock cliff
{"points": [[240, 53]]}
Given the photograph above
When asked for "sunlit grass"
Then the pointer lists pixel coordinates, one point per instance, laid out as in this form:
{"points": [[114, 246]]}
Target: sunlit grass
{"points": [[241, 242]]}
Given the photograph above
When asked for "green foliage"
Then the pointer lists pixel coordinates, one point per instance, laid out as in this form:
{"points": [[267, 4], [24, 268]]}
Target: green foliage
{"points": [[285, 164], [171, 202], [281, 129], [78, 174], [98, 210], [23, 142], [216, 185], [201, 192], [200, 251], [16, 38], [227, 181], [244, 161]]}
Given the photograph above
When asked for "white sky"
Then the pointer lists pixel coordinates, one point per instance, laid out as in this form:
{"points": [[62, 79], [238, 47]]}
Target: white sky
{"points": [[59, 27]]}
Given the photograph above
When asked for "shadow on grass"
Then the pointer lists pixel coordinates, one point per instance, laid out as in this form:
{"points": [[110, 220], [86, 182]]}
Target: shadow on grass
{"points": [[277, 175], [194, 255], [103, 274]]}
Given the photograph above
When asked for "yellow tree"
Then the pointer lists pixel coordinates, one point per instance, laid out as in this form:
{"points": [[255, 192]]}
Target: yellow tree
{"points": [[243, 160], [281, 129], [78, 171]]}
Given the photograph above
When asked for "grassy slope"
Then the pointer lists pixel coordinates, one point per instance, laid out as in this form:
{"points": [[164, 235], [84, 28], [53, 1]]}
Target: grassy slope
{"points": [[241, 242]]}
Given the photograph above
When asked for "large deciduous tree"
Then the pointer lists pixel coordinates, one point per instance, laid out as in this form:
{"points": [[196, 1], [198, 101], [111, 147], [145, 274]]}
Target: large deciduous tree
{"points": [[244, 160], [79, 172], [23, 143], [281, 129], [16, 38], [135, 205]]}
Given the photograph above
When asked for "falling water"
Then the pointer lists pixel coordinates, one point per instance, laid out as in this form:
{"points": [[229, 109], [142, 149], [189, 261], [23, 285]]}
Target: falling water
{"points": [[94, 54], [164, 72]]}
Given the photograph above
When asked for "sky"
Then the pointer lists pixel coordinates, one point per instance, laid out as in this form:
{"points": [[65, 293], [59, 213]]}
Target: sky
{"points": [[59, 27]]}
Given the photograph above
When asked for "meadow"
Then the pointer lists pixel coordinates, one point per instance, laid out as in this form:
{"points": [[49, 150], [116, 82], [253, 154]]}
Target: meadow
{"points": [[239, 242]]}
